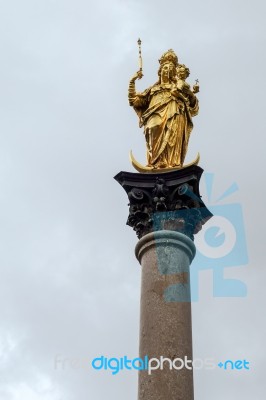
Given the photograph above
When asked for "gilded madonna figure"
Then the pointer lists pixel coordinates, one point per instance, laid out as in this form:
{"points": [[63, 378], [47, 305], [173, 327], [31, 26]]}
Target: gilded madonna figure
{"points": [[165, 110]]}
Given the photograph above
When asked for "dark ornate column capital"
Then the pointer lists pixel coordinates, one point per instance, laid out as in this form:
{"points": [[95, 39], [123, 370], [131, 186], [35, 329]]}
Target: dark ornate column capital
{"points": [[165, 201]]}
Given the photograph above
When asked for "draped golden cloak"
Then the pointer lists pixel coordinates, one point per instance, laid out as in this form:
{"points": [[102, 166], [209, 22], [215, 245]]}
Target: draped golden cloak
{"points": [[166, 115]]}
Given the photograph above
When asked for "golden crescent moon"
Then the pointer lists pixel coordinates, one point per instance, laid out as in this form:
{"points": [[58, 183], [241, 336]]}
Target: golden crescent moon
{"points": [[141, 168]]}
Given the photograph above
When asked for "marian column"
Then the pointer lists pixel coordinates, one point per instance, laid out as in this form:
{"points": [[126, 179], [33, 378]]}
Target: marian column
{"points": [[165, 210]]}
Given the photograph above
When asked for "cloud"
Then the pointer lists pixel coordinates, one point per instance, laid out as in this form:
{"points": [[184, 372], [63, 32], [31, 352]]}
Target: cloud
{"points": [[70, 283]]}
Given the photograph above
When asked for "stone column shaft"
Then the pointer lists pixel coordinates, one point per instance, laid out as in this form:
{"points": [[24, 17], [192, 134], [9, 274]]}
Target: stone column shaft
{"points": [[165, 319]]}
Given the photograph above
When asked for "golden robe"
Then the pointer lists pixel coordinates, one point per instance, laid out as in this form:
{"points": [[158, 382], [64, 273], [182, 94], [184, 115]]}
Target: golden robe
{"points": [[166, 115]]}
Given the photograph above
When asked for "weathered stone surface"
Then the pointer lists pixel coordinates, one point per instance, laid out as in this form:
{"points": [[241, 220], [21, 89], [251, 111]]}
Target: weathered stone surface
{"points": [[165, 321]]}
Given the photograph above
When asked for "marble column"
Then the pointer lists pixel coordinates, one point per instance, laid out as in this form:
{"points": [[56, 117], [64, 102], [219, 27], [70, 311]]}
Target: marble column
{"points": [[165, 316]]}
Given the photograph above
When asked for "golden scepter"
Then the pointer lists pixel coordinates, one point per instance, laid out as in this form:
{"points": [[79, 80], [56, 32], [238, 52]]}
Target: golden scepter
{"points": [[140, 60]]}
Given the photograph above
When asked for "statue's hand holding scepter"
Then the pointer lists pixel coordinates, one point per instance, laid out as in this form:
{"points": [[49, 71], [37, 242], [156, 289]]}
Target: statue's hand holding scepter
{"points": [[137, 75]]}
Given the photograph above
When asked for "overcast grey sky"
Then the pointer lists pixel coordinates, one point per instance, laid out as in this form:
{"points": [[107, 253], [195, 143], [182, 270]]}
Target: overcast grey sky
{"points": [[69, 280]]}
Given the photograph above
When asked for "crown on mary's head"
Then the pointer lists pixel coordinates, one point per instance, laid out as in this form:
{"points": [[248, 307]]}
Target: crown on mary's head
{"points": [[169, 56]]}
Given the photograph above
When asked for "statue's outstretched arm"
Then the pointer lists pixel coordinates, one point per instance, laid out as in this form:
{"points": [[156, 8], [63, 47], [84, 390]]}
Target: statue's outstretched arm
{"points": [[194, 105], [132, 95]]}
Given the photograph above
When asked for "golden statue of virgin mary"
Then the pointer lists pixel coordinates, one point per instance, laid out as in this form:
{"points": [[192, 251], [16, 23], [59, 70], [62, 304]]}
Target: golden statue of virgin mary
{"points": [[165, 110]]}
